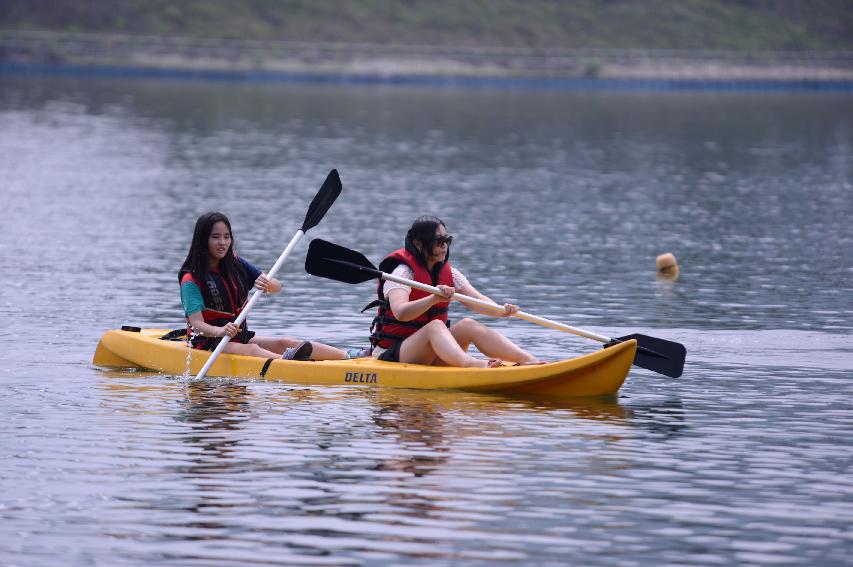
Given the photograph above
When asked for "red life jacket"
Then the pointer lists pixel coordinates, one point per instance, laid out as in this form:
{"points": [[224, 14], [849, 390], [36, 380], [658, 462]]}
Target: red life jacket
{"points": [[223, 301], [386, 330]]}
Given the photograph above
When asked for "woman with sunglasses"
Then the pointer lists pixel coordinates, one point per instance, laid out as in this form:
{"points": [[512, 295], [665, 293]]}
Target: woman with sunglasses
{"points": [[412, 326]]}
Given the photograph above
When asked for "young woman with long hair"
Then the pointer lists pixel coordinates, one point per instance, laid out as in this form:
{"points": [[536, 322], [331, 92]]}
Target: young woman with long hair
{"points": [[215, 283]]}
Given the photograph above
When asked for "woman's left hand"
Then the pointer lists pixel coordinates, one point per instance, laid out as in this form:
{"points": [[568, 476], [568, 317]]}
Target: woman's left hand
{"points": [[263, 283], [509, 310], [446, 293]]}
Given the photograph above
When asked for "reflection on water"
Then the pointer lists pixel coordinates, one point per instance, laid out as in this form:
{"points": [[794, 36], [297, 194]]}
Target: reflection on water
{"points": [[419, 464], [666, 418], [411, 424], [560, 202]]}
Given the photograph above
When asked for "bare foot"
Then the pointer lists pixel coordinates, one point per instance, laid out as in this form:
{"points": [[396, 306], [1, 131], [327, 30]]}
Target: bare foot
{"points": [[529, 362], [479, 363]]}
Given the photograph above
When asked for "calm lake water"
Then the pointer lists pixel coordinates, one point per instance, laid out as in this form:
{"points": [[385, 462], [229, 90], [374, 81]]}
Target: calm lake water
{"points": [[559, 201]]}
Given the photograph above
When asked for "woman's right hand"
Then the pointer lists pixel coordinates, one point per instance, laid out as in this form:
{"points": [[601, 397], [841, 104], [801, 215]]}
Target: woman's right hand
{"points": [[230, 329]]}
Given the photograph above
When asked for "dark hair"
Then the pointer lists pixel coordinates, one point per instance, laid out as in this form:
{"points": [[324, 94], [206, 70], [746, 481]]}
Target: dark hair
{"points": [[197, 262], [423, 230]]}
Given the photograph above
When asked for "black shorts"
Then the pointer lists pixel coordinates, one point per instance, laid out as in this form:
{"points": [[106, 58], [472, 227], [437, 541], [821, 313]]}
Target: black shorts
{"points": [[210, 343], [392, 354]]}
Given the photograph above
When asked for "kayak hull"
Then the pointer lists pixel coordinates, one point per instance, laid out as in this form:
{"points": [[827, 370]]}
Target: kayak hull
{"points": [[596, 374]]}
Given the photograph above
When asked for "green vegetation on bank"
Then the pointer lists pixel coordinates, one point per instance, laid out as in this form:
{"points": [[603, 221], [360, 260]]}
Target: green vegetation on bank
{"points": [[741, 25]]}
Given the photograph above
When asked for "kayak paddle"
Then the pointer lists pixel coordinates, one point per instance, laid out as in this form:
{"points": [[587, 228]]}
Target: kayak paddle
{"points": [[318, 208], [329, 260]]}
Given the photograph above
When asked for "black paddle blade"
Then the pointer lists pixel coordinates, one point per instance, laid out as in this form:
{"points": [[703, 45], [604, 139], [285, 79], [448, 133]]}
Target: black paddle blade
{"points": [[322, 200], [661, 356], [328, 260]]}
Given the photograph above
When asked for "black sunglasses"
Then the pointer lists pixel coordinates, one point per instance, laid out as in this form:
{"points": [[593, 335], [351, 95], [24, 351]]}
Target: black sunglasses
{"points": [[443, 239]]}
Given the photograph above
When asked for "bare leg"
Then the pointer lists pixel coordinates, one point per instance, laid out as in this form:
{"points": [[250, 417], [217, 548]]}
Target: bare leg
{"points": [[489, 342], [434, 341], [319, 351], [325, 352], [249, 350]]}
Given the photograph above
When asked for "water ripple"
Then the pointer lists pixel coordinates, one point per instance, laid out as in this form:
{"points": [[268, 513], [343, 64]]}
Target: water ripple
{"points": [[559, 202]]}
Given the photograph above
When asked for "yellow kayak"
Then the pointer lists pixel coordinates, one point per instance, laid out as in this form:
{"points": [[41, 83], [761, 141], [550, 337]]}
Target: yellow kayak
{"points": [[596, 374]]}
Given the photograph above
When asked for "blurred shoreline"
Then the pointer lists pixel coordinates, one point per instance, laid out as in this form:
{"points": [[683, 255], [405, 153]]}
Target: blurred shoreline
{"points": [[230, 59]]}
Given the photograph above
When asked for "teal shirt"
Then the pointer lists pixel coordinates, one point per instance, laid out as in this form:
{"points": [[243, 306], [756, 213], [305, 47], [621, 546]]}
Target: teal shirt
{"points": [[191, 298]]}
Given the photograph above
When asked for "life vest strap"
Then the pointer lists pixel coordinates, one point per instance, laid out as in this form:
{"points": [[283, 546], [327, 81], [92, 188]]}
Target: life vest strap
{"points": [[266, 367], [380, 321], [435, 310]]}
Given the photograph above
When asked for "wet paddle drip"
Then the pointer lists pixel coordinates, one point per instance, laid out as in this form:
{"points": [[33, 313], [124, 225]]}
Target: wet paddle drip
{"points": [[190, 338]]}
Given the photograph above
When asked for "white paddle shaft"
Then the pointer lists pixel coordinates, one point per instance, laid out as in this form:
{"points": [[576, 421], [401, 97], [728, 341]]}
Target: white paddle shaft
{"points": [[497, 308], [256, 295]]}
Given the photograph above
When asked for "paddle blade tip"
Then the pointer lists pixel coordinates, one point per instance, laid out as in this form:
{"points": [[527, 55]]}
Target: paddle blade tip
{"points": [[323, 200], [659, 355], [329, 260]]}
